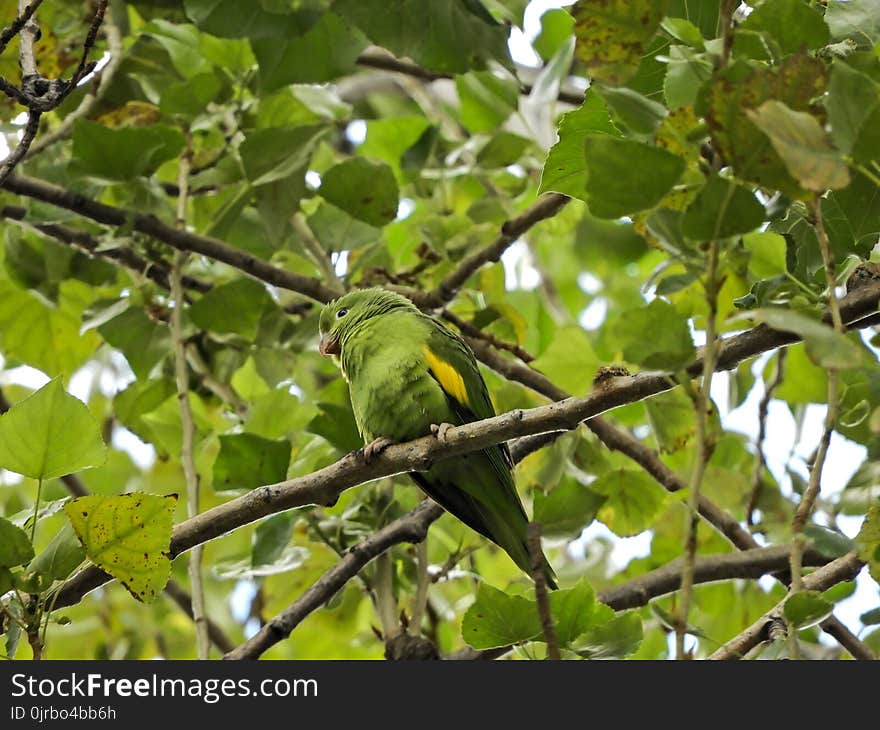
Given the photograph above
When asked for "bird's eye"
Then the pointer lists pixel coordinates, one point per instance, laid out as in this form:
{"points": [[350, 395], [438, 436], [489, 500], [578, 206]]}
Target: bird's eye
{"points": [[341, 313]]}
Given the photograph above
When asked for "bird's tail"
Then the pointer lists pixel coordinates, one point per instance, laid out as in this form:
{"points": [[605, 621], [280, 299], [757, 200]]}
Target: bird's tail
{"points": [[522, 556]]}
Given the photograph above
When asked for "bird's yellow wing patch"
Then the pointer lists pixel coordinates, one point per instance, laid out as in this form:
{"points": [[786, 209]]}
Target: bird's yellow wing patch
{"points": [[448, 377]]}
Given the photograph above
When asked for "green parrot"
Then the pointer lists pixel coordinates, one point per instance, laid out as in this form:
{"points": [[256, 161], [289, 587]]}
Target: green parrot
{"points": [[408, 376]]}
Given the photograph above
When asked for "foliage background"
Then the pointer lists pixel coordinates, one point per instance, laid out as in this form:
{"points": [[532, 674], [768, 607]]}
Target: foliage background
{"points": [[693, 158]]}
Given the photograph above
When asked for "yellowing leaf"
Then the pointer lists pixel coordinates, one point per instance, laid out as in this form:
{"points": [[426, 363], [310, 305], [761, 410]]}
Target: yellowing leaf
{"points": [[802, 144], [128, 536], [612, 35]]}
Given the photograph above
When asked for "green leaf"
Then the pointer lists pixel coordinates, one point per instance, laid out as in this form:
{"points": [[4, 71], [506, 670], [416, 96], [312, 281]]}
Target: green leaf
{"points": [[15, 545], [182, 44], [189, 98], [634, 111], [567, 510], [450, 37], [233, 308], [273, 154], [721, 209], [128, 536], [767, 251], [365, 190], [556, 28], [143, 341], [247, 461], [792, 24], [806, 608], [336, 424], [830, 543], [338, 231], [271, 538], [611, 636], [497, 619], [570, 360], [486, 100], [117, 155], [388, 139], [634, 501], [613, 35], [802, 144], [852, 217], [687, 72], [572, 611], [852, 98], [870, 618], [869, 540], [50, 434], [234, 19], [655, 336], [855, 19], [504, 148], [565, 170], [825, 347], [290, 558], [60, 557], [325, 52], [616, 183], [42, 335], [672, 418]]}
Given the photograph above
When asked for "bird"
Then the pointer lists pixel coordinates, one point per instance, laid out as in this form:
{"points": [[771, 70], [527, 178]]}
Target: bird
{"points": [[410, 376]]}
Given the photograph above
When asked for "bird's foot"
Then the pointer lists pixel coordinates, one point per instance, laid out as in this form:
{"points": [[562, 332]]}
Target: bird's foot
{"points": [[440, 430], [376, 447]]}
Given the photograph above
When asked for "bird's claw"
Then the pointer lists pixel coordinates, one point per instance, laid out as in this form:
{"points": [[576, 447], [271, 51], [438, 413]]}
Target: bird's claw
{"points": [[376, 447], [440, 431]]}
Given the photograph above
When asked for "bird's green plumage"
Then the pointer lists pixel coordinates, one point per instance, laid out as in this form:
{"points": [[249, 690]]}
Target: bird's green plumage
{"points": [[405, 372]]}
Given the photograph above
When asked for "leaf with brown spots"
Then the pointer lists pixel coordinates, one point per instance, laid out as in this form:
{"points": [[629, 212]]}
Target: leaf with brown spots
{"points": [[612, 35], [128, 536], [742, 87]]}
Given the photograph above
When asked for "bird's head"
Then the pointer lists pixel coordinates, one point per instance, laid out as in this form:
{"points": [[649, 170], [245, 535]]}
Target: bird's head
{"points": [[343, 316]]}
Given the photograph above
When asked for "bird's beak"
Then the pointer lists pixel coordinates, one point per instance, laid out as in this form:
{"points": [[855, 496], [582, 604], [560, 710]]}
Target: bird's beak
{"points": [[327, 346]]}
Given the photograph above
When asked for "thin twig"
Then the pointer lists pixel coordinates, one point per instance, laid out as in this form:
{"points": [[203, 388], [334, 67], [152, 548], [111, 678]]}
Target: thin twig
{"points": [[469, 330], [542, 599], [373, 58], [121, 255], [843, 569], [811, 493], [13, 158], [187, 458], [545, 207], [14, 28], [410, 528], [97, 91], [183, 600], [420, 600], [704, 447], [224, 391], [316, 253], [181, 240], [760, 459]]}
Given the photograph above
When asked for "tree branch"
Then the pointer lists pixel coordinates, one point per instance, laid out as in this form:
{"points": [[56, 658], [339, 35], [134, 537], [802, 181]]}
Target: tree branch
{"points": [[183, 600], [122, 255], [188, 429], [179, 239], [542, 599], [413, 527], [837, 571], [372, 58], [546, 207], [325, 485], [92, 97]]}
